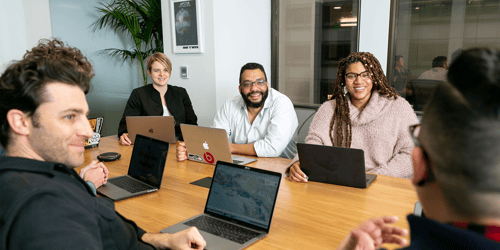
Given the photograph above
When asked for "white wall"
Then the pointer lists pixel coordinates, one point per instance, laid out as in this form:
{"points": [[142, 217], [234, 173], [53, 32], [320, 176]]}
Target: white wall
{"points": [[242, 35], [374, 29], [201, 82], [13, 32], [37, 21], [234, 33], [22, 24]]}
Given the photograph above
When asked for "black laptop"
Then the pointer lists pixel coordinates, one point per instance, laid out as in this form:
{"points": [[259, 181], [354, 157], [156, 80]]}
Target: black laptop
{"points": [[239, 207], [145, 171], [334, 165]]}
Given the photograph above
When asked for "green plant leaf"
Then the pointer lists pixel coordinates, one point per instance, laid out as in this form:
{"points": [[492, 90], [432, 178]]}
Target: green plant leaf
{"points": [[138, 19]]}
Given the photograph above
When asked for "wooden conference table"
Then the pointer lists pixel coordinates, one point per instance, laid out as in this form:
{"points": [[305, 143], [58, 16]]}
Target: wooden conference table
{"points": [[307, 215]]}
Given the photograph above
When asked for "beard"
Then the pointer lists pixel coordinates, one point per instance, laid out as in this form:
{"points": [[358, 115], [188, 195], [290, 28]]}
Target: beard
{"points": [[251, 104]]}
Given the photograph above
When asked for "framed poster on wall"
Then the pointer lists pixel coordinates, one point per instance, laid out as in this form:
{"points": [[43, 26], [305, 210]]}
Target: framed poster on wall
{"points": [[185, 18]]}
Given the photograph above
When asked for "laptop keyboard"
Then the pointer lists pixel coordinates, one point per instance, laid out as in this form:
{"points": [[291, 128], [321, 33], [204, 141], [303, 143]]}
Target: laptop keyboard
{"points": [[222, 229], [128, 184]]}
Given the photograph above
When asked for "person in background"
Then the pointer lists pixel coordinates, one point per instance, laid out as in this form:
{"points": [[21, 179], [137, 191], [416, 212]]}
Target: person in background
{"points": [[364, 113], [400, 75], [96, 173], [261, 122], [45, 204], [438, 71], [456, 165], [158, 99]]}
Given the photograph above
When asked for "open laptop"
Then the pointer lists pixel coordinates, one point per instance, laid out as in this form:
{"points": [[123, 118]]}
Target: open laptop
{"points": [[158, 127], [239, 207], [209, 145], [334, 165], [145, 171]]}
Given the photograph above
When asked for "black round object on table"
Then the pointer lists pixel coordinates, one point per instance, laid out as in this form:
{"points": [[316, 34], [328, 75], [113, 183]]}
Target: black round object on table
{"points": [[109, 156]]}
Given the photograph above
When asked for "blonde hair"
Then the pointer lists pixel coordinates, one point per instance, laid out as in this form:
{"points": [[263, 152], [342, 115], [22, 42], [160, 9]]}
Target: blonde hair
{"points": [[162, 59]]}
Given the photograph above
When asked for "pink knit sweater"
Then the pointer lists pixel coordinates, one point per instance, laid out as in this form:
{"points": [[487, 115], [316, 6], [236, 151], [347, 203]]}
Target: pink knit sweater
{"points": [[380, 130]]}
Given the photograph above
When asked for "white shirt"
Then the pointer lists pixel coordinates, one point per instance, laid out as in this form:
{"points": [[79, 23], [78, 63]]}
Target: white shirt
{"points": [[273, 131], [165, 111], [436, 73]]}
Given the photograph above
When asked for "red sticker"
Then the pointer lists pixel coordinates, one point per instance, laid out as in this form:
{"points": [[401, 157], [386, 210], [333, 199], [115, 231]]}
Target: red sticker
{"points": [[208, 157]]}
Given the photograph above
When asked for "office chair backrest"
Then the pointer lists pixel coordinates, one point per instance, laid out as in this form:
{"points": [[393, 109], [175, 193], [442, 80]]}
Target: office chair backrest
{"points": [[421, 90]]}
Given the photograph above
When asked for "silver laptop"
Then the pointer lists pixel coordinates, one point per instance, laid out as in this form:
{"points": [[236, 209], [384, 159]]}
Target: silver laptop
{"points": [[158, 127], [209, 145], [145, 171], [239, 207], [334, 165]]}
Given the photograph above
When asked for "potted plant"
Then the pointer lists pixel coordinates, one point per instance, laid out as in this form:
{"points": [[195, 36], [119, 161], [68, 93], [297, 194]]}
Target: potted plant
{"points": [[139, 19]]}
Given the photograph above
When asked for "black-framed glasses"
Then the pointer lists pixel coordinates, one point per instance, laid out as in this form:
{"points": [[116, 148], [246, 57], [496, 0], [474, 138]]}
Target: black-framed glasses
{"points": [[249, 84], [352, 76], [414, 132]]}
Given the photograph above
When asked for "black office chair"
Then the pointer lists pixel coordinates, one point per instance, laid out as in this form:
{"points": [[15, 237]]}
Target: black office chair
{"points": [[419, 91]]}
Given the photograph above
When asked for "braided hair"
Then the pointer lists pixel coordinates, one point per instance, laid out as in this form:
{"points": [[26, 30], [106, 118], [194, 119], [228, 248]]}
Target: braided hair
{"points": [[341, 116]]}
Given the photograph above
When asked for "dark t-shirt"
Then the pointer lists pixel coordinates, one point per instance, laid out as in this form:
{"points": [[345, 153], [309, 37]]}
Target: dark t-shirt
{"points": [[46, 205]]}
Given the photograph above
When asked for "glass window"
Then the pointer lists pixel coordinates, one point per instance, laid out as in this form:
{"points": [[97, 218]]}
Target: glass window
{"points": [[427, 35], [313, 36]]}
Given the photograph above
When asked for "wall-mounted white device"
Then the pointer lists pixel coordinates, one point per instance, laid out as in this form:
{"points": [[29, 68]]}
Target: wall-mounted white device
{"points": [[184, 72]]}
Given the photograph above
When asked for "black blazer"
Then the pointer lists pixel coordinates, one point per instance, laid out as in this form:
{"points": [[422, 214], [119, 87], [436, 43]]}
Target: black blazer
{"points": [[146, 101]]}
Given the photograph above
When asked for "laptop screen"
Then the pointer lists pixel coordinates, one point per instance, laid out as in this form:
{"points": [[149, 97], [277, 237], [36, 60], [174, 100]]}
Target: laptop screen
{"points": [[244, 194], [148, 160]]}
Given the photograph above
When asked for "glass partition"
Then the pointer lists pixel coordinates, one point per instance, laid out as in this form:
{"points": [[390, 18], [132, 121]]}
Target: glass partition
{"points": [[313, 36], [428, 34]]}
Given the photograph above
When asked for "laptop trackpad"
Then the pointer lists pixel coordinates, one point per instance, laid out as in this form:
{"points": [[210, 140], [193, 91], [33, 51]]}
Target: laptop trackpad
{"points": [[213, 241], [112, 191]]}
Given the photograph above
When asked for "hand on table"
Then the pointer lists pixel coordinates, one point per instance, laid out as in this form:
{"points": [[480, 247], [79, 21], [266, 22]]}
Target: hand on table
{"points": [[124, 140], [186, 239], [372, 233], [181, 151], [96, 172], [296, 174]]}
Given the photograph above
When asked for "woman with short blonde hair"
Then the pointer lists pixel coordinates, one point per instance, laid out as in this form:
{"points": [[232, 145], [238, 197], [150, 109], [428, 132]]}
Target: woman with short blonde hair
{"points": [[158, 99]]}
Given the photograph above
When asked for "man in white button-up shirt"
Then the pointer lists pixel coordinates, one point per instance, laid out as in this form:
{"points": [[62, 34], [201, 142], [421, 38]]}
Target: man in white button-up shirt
{"points": [[438, 71], [261, 122]]}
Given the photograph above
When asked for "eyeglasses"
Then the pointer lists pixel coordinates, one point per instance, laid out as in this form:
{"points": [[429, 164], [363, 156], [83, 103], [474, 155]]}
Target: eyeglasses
{"points": [[249, 84], [414, 132], [352, 76]]}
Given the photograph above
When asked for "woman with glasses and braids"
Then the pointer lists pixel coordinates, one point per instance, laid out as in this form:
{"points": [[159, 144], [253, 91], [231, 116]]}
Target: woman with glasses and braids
{"points": [[364, 113]]}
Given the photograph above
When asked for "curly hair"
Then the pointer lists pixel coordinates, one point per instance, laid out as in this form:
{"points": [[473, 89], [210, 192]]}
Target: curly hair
{"points": [[341, 116], [56, 49], [23, 86]]}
